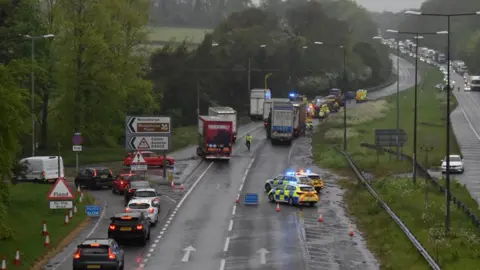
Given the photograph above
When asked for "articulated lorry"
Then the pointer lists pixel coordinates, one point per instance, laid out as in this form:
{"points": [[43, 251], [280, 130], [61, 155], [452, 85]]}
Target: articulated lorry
{"points": [[215, 137], [227, 113], [281, 127], [299, 118], [267, 107], [257, 100]]}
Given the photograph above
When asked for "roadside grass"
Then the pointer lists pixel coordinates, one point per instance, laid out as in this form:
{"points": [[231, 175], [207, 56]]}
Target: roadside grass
{"points": [[384, 238], [178, 34], [28, 208]]}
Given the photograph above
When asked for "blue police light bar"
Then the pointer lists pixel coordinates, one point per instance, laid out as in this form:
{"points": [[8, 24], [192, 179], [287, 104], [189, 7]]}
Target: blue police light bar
{"points": [[292, 95], [290, 173], [308, 171]]}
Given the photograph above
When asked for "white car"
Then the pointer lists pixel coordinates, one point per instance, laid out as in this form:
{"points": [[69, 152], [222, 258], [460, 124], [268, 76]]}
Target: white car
{"points": [[148, 194], [467, 87], [456, 164], [146, 207]]}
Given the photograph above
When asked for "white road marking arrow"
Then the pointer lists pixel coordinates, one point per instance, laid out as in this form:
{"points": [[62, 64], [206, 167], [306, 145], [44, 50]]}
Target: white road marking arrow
{"points": [[187, 250], [263, 255]]}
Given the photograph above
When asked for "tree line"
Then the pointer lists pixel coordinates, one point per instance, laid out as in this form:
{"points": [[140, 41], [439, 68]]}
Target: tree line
{"points": [[465, 34]]}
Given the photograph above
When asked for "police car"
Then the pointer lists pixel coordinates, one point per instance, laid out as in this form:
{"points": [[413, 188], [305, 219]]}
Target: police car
{"points": [[317, 181], [293, 194], [289, 177]]}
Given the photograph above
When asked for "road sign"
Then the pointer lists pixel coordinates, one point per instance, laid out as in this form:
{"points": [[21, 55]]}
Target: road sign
{"points": [[154, 124], [92, 210], [150, 143], [251, 199], [60, 191], [138, 162], [138, 167], [390, 137], [77, 138], [60, 204], [77, 148]]}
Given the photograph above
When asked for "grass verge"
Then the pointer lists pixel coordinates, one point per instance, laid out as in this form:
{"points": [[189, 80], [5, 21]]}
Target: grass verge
{"points": [[28, 209], [384, 238]]}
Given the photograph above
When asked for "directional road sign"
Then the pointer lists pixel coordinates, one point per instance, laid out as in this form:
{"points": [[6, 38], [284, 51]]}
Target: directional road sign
{"points": [[155, 124], [148, 133], [149, 143], [92, 210]]}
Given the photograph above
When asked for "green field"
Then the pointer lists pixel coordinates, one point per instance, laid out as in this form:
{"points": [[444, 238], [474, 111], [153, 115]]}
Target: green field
{"points": [[28, 208], [425, 220], [177, 34]]}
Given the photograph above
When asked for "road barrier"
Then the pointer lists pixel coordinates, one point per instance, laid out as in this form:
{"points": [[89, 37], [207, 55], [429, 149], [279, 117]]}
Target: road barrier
{"points": [[424, 172], [395, 218]]}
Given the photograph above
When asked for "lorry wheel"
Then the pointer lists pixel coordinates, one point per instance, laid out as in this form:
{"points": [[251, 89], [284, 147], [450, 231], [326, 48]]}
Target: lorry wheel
{"points": [[199, 152]]}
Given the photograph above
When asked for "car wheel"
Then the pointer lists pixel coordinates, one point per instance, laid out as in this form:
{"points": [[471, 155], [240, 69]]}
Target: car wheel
{"points": [[114, 191], [148, 235], [271, 198], [91, 185], [312, 204], [123, 265], [290, 201], [267, 187]]}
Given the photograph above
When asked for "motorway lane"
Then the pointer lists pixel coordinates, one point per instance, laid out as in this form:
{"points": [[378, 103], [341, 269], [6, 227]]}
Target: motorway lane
{"points": [[112, 204], [204, 215], [466, 127]]}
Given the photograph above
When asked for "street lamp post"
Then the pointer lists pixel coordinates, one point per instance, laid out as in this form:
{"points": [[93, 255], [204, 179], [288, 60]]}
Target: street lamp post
{"points": [[447, 129], [32, 79], [417, 36]]}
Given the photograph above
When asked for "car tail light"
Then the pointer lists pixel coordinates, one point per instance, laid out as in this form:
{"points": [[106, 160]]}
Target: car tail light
{"points": [[121, 182], [156, 200], [139, 227], [127, 210], [95, 173], [112, 227], [131, 190], [77, 254], [150, 210], [111, 255]]}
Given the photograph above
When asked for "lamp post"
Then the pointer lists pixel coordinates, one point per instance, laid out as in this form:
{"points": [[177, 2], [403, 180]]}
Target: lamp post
{"points": [[32, 78], [417, 36], [447, 129]]}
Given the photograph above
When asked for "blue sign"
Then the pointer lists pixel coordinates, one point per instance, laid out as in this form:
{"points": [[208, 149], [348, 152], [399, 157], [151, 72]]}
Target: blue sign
{"points": [[251, 199], [93, 210]]}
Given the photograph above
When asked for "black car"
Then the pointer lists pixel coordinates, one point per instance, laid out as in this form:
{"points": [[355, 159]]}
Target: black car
{"points": [[94, 177], [132, 187], [98, 254], [129, 226]]}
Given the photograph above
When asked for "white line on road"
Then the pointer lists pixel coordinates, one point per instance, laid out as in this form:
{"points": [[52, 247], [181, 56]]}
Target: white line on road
{"points": [[142, 265], [151, 250], [234, 210], [227, 243], [157, 240], [149, 255], [153, 245], [230, 226], [163, 195], [161, 233], [290, 152], [222, 264], [468, 120], [145, 260], [240, 188]]}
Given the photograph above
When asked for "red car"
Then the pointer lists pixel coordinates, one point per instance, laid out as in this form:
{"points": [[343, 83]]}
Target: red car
{"points": [[151, 158], [122, 182]]}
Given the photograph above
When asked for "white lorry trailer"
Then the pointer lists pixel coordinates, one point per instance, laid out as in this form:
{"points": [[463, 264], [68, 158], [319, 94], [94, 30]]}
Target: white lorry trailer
{"points": [[267, 107], [281, 129], [257, 100], [227, 113]]}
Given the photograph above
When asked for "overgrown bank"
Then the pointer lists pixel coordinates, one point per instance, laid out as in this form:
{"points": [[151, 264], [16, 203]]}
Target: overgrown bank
{"points": [[407, 200]]}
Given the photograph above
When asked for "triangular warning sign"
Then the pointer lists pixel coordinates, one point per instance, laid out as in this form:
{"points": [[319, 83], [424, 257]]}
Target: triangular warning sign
{"points": [[138, 158], [143, 144], [60, 191]]}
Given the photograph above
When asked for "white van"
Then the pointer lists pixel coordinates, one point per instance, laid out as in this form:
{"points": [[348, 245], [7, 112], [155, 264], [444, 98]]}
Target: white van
{"points": [[44, 169]]}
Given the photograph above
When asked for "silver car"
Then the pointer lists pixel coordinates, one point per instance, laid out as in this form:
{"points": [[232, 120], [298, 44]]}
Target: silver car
{"points": [[148, 194], [144, 206]]}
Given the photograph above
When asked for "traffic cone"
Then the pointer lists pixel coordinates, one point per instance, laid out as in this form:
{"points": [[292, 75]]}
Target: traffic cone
{"points": [[172, 185], [70, 214], [67, 220], [17, 257], [44, 230], [4, 263], [350, 231], [238, 199], [320, 217], [278, 207], [80, 200], [182, 188], [74, 209], [78, 189], [46, 243]]}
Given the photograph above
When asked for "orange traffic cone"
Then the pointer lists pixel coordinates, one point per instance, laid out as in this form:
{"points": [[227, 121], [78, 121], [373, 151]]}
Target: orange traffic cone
{"points": [[67, 220], [44, 230], [46, 243], [278, 207], [4, 264], [182, 187], [172, 185], [320, 217], [350, 231], [238, 199], [17, 257]]}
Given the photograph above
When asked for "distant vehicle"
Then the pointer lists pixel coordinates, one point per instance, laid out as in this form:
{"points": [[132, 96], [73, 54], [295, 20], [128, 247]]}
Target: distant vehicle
{"points": [[317, 181], [281, 129], [299, 118], [122, 181], [215, 137], [144, 206], [294, 194], [148, 194], [475, 83], [227, 113], [94, 177], [283, 179], [361, 96], [98, 254], [456, 164], [152, 159], [134, 185], [129, 226], [40, 169], [257, 99]]}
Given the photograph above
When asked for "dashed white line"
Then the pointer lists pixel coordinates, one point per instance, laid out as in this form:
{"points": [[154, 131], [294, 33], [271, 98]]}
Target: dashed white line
{"points": [[227, 243], [290, 152], [167, 223], [151, 250], [153, 246], [157, 240], [241, 187], [234, 210], [164, 228], [145, 260], [170, 219], [230, 226], [161, 233], [142, 265], [222, 264], [149, 255]]}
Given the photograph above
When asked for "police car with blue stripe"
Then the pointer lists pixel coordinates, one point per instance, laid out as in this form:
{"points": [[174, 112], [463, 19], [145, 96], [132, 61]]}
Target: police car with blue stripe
{"points": [[289, 177]]}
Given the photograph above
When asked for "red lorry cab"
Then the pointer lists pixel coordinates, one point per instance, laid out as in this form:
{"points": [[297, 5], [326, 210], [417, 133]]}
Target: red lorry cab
{"points": [[215, 137]]}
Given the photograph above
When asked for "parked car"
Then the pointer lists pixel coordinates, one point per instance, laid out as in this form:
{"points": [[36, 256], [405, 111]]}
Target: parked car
{"points": [[98, 254], [151, 158], [134, 185], [122, 181], [94, 177]]}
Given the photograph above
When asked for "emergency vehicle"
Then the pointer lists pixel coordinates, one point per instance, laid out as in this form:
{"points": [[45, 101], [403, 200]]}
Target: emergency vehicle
{"points": [[294, 194], [361, 96], [283, 179], [317, 181]]}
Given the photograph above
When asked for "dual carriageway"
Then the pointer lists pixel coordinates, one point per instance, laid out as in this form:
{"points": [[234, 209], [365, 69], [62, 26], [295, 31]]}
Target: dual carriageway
{"points": [[203, 228]]}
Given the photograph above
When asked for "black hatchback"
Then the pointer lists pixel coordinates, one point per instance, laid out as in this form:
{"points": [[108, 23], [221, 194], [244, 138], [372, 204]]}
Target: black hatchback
{"points": [[94, 177], [98, 254]]}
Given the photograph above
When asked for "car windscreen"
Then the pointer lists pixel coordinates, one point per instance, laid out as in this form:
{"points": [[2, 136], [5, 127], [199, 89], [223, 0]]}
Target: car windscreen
{"points": [[139, 206], [306, 189], [455, 159], [314, 177], [304, 179], [89, 250], [103, 171], [145, 194]]}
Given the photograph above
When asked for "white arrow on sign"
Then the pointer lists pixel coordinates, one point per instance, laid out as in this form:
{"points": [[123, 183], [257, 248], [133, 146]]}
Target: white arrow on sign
{"points": [[187, 250], [263, 255]]}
